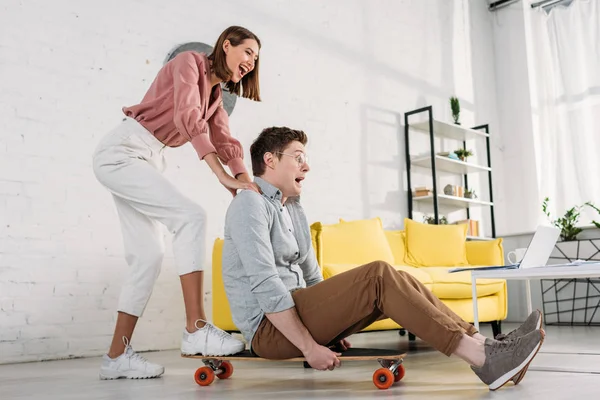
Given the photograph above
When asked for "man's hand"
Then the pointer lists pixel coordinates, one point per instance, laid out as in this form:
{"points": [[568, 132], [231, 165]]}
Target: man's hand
{"points": [[344, 344], [321, 358]]}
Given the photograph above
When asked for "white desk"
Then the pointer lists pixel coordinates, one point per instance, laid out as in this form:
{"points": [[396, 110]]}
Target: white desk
{"points": [[583, 271], [549, 272]]}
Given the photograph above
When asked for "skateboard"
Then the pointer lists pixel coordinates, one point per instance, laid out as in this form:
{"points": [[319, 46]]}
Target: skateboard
{"points": [[391, 370]]}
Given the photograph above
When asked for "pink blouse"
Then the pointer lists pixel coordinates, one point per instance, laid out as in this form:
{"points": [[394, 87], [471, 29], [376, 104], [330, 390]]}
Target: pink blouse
{"points": [[180, 107]]}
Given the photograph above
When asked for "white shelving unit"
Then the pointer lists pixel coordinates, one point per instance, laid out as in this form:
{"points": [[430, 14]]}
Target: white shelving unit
{"points": [[454, 202], [450, 131], [446, 164], [438, 164]]}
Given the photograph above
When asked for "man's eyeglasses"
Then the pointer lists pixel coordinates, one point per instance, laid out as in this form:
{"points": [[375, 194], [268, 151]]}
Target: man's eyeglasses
{"points": [[301, 158]]}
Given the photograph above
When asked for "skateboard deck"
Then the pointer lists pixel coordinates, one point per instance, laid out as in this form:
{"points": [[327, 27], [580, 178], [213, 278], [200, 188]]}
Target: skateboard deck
{"points": [[391, 370]]}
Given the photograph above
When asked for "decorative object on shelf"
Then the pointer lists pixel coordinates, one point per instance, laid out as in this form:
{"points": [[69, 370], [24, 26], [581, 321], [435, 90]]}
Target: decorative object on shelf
{"points": [[455, 106], [463, 154], [422, 191], [454, 190], [470, 194], [472, 226], [566, 223], [430, 219], [453, 156], [589, 204]]}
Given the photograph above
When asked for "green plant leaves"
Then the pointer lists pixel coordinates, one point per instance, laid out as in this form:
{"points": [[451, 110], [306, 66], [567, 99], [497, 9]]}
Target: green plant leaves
{"points": [[566, 223]]}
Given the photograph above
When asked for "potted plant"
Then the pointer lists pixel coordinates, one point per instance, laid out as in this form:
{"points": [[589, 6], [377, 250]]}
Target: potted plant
{"points": [[431, 220], [470, 194], [566, 223], [455, 107], [462, 154], [589, 204]]}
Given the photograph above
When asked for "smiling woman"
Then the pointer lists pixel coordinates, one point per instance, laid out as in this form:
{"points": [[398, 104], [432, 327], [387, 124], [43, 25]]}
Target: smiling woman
{"points": [[183, 104]]}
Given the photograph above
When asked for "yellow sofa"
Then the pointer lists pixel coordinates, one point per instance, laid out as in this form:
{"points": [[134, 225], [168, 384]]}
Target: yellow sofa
{"points": [[427, 252]]}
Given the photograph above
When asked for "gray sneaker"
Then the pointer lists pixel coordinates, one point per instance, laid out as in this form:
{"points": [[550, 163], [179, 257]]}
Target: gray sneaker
{"points": [[504, 360], [533, 322]]}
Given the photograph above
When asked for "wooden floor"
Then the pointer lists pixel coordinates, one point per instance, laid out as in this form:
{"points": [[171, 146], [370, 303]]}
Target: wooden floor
{"points": [[429, 375]]}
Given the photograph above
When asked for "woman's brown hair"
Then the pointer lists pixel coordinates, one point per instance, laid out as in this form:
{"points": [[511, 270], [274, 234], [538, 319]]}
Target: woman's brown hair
{"points": [[249, 86]]}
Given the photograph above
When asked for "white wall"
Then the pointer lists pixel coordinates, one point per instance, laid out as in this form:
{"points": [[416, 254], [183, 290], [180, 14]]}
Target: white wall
{"points": [[344, 71]]}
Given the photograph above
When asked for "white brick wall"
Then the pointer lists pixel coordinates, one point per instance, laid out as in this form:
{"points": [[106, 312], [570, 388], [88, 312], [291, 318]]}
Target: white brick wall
{"points": [[343, 71]]}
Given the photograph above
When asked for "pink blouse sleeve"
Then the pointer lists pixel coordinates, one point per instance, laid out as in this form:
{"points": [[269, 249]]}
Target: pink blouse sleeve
{"points": [[188, 105], [228, 148]]}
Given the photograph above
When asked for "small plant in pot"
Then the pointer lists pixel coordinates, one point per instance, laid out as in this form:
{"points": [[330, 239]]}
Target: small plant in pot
{"points": [[462, 154], [470, 194], [430, 219], [455, 107], [566, 223], [589, 204]]}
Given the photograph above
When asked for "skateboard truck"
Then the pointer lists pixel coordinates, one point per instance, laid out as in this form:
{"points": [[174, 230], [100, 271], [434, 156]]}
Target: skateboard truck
{"points": [[391, 372], [392, 365], [215, 365], [222, 369]]}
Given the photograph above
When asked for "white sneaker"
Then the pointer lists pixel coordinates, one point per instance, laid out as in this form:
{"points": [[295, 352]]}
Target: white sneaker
{"points": [[210, 341], [129, 365]]}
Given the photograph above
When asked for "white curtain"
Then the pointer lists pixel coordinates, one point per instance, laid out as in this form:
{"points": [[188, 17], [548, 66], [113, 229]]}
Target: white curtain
{"points": [[566, 77]]}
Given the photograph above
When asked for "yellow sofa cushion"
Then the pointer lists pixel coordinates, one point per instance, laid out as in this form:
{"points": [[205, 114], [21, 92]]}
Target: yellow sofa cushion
{"points": [[397, 242], [330, 270], [435, 245], [353, 242], [486, 252], [457, 285]]}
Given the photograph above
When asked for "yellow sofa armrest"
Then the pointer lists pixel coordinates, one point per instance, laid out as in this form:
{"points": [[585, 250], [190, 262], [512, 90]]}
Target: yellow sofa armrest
{"points": [[220, 305]]}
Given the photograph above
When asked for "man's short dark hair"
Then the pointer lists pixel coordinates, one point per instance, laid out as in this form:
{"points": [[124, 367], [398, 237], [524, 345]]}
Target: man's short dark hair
{"points": [[273, 140]]}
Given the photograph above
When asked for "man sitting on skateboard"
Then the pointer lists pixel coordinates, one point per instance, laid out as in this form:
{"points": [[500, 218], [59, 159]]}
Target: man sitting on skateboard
{"points": [[285, 309]]}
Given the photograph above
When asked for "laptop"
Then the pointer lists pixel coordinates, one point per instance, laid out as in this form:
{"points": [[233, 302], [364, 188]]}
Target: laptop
{"points": [[537, 254], [540, 248]]}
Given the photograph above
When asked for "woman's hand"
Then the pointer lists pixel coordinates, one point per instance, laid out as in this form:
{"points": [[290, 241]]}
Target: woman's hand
{"points": [[233, 185], [246, 178], [230, 183]]}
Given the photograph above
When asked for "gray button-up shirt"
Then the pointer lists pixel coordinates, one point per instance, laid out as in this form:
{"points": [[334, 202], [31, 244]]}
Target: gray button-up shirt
{"points": [[264, 259]]}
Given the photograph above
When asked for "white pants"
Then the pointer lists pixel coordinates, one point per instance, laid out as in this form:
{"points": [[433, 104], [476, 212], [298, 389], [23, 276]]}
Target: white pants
{"points": [[129, 162]]}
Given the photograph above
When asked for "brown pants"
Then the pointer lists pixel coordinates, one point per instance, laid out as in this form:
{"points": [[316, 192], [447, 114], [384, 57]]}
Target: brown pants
{"points": [[347, 303]]}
